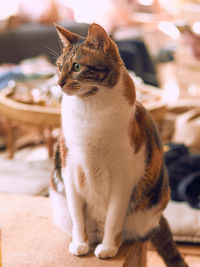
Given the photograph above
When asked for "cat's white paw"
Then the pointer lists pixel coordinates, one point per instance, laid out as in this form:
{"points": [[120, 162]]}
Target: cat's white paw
{"points": [[103, 251], [78, 248]]}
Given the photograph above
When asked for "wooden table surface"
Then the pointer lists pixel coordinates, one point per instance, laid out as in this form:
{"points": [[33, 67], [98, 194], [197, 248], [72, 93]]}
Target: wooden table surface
{"points": [[30, 239]]}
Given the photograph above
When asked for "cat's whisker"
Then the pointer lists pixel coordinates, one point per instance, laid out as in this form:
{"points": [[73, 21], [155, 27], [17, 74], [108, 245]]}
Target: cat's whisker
{"points": [[52, 52], [87, 95]]}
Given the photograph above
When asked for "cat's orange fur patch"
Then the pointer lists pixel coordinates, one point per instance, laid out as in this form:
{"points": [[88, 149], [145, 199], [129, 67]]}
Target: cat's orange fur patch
{"points": [[149, 182], [129, 88], [118, 239], [81, 177], [154, 165], [137, 130], [142, 132], [164, 201], [136, 137], [85, 236], [63, 150]]}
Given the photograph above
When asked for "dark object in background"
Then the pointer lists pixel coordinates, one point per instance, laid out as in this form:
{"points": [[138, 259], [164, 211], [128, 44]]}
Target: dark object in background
{"points": [[33, 39], [189, 189], [137, 58], [184, 174], [174, 152]]}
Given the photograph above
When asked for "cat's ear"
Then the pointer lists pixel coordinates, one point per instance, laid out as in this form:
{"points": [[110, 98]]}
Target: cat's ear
{"points": [[66, 36], [97, 37]]}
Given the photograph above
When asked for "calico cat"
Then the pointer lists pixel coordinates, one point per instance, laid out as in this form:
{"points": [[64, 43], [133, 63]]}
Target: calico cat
{"points": [[109, 182]]}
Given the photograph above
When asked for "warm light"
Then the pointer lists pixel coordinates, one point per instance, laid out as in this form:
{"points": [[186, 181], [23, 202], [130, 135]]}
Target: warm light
{"points": [[169, 29], [196, 27], [146, 2], [193, 90], [8, 8], [171, 91], [28, 8], [89, 11]]}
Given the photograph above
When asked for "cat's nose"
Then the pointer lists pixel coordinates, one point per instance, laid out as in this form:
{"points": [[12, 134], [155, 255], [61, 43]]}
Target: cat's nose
{"points": [[61, 83]]}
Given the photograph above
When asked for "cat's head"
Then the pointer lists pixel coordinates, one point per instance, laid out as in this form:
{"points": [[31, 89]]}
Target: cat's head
{"points": [[87, 64]]}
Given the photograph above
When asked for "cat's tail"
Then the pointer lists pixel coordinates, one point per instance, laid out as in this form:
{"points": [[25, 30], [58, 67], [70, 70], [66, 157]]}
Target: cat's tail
{"points": [[163, 241]]}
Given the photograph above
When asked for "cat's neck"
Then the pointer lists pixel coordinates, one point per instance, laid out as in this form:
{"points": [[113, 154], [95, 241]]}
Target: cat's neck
{"points": [[102, 114], [103, 101]]}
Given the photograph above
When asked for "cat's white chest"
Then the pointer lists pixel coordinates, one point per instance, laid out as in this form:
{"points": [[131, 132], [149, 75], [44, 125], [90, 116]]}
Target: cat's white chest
{"points": [[97, 139], [94, 126]]}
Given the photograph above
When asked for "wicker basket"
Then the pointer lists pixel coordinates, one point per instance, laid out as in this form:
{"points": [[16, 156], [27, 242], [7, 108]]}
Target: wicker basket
{"points": [[50, 116], [30, 114], [156, 106]]}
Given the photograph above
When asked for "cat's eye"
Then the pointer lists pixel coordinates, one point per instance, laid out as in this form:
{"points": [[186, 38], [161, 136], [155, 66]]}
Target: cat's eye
{"points": [[77, 67], [60, 66]]}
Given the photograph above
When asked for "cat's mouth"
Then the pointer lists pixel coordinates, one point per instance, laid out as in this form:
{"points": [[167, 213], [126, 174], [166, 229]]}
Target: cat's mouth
{"points": [[75, 89], [69, 91], [71, 88]]}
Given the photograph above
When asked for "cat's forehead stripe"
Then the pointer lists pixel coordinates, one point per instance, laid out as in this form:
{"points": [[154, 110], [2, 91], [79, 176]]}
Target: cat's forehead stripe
{"points": [[73, 49]]}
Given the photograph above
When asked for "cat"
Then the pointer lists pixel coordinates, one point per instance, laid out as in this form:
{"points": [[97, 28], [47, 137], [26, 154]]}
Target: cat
{"points": [[109, 182]]}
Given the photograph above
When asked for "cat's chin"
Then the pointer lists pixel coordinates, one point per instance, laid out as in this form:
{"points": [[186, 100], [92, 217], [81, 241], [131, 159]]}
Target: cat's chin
{"points": [[70, 92], [80, 92]]}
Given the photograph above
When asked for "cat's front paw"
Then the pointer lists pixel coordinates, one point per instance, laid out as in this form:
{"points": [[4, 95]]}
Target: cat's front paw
{"points": [[78, 248], [103, 251]]}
